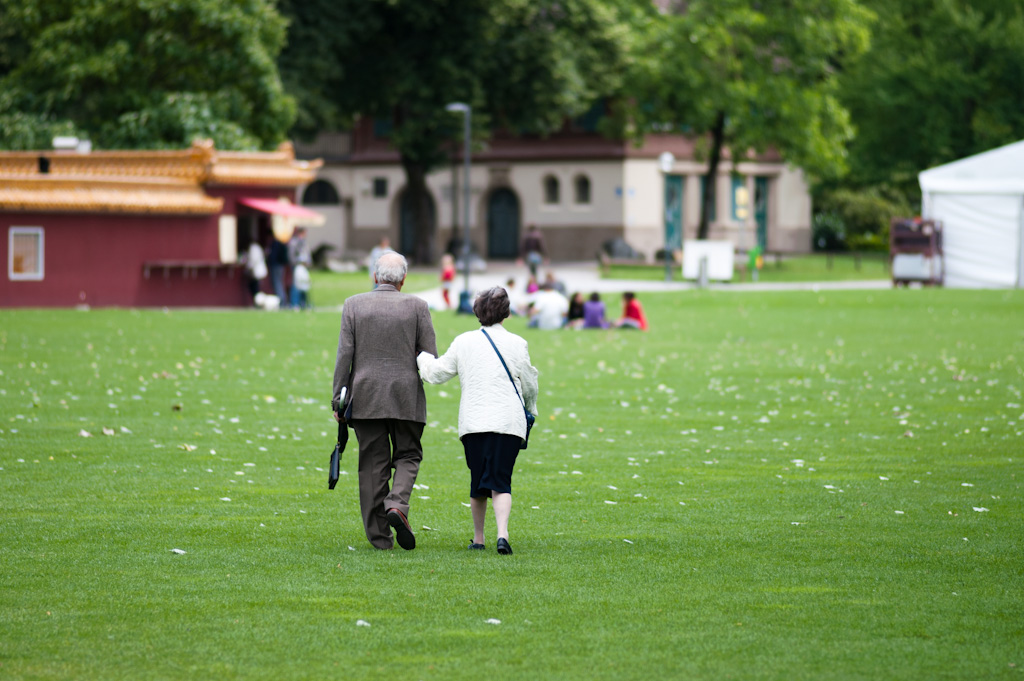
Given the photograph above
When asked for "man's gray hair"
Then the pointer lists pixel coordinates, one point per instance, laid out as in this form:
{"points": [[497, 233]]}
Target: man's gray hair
{"points": [[390, 268]]}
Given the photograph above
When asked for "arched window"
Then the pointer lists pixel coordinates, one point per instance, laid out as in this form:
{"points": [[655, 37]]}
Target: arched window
{"points": [[320, 193], [582, 186], [552, 194]]}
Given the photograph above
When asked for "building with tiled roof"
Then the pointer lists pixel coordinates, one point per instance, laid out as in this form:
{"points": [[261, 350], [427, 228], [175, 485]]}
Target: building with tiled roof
{"points": [[130, 228]]}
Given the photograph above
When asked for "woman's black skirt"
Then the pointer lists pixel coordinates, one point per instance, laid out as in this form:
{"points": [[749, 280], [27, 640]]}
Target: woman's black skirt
{"points": [[490, 458]]}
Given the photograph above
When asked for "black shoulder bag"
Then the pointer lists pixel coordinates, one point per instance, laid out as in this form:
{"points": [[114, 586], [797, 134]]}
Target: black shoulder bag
{"points": [[530, 418]]}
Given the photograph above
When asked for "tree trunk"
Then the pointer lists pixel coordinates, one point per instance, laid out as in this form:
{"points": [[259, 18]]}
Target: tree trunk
{"points": [[422, 219], [708, 195]]}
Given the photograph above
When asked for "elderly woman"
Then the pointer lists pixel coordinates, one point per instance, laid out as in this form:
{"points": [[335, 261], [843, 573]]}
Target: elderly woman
{"points": [[492, 424]]}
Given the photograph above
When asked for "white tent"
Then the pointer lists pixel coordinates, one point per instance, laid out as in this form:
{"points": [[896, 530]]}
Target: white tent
{"points": [[980, 202]]}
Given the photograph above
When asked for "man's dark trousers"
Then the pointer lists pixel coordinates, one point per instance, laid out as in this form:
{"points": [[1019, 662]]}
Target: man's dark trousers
{"points": [[386, 444]]}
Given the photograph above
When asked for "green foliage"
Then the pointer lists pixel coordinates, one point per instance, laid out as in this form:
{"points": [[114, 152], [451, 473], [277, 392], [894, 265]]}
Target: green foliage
{"points": [[828, 232], [522, 65], [151, 73], [942, 81], [794, 498], [767, 68], [864, 215]]}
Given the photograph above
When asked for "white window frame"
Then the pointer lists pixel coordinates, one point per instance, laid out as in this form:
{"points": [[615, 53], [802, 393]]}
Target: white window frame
{"points": [[25, 276]]}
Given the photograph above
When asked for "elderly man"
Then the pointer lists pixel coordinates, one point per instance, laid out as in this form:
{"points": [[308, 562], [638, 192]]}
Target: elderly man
{"points": [[382, 332]]}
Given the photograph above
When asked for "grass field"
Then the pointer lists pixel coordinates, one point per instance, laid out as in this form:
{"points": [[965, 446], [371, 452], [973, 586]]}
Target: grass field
{"points": [[813, 267], [765, 486]]}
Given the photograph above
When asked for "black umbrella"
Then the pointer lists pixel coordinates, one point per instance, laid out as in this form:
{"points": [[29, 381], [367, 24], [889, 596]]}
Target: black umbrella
{"points": [[334, 470]]}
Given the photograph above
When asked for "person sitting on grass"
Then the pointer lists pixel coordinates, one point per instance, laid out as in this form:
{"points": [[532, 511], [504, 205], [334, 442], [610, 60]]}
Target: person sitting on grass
{"points": [[632, 313], [593, 313], [574, 320]]}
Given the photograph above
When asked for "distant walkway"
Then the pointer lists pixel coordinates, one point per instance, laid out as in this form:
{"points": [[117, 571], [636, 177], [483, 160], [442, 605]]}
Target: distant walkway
{"points": [[585, 277]]}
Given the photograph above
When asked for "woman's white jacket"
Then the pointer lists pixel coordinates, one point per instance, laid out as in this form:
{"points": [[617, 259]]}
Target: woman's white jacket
{"points": [[488, 404]]}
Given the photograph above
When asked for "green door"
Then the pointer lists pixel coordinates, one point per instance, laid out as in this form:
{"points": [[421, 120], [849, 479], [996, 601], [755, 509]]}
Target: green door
{"points": [[673, 212], [761, 210], [503, 224]]}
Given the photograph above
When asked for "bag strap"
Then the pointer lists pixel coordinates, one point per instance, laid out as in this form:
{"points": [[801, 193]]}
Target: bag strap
{"points": [[506, 368]]}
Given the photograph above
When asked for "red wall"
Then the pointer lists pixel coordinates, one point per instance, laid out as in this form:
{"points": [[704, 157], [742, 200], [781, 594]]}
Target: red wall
{"points": [[97, 260]]}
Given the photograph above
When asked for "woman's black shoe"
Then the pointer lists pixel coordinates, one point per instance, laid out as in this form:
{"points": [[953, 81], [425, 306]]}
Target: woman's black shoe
{"points": [[476, 547], [503, 547]]}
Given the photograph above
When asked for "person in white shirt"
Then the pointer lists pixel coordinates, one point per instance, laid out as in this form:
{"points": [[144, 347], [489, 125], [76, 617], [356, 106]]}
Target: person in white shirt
{"points": [[255, 268], [549, 309], [300, 285], [492, 425]]}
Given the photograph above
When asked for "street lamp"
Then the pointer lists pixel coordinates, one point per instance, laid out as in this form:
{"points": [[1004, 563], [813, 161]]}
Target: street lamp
{"points": [[673, 215], [467, 111]]}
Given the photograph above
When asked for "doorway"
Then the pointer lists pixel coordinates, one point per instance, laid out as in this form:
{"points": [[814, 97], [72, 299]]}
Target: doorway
{"points": [[503, 224], [761, 211]]}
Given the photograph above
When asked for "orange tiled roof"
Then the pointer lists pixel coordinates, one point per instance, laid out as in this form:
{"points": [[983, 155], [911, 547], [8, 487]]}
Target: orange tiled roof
{"points": [[90, 195], [276, 168], [141, 181]]}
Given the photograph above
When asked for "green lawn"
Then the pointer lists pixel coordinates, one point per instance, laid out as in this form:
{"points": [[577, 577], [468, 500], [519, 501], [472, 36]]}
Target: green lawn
{"points": [[765, 486], [330, 289], [814, 267]]}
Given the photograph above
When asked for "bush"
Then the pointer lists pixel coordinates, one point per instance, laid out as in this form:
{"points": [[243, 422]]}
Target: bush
{"points": [[862, 217], [828, 233]]}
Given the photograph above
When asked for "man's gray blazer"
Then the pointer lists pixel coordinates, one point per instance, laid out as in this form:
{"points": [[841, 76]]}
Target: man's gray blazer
{"points": [[382, 332]]}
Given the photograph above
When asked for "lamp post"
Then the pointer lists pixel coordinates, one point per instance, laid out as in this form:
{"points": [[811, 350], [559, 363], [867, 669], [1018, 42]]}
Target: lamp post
{"points": [[467, 111], [672, 215]]}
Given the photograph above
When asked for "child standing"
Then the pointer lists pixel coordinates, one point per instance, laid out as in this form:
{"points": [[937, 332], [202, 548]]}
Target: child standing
{"points": [[447, 277], [300, 285]]}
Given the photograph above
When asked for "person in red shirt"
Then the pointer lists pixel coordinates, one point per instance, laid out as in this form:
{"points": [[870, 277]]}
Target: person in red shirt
{"points": [[447, 277], [632, 313]]}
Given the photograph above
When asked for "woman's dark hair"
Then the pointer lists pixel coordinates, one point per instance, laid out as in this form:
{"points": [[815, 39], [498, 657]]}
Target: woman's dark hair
{"points": [[491, 306], [628, 295], [595, 297]]}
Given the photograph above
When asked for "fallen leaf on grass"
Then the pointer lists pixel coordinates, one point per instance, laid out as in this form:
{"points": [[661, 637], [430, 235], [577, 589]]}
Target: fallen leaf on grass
{"points": [[187, 448]]}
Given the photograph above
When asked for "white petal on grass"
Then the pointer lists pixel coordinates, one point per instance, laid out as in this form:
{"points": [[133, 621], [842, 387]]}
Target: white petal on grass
{"points": [[84, 433], [627, 541], [493, 621], [980, 509], [351, 548], [612, 487], [830, 486], [966, 484], [898, 512], [882, 477], [225, 498], [180, 552], [362, 623], [611, 502], [108, 431]]}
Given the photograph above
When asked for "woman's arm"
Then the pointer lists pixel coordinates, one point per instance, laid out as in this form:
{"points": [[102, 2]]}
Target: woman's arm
{"points": [[528, 380], [438, 369]]}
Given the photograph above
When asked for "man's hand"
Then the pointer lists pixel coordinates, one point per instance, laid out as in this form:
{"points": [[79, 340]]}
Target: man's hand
{"points": [[338, 417]]}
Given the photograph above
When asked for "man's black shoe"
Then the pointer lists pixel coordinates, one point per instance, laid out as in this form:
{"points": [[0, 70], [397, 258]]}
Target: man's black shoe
{"points": [[403, 533]]}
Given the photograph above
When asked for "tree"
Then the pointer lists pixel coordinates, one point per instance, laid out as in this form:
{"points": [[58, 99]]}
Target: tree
{"points": [[522, 65], [142, 73], [748, 75], [942, 81]]}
